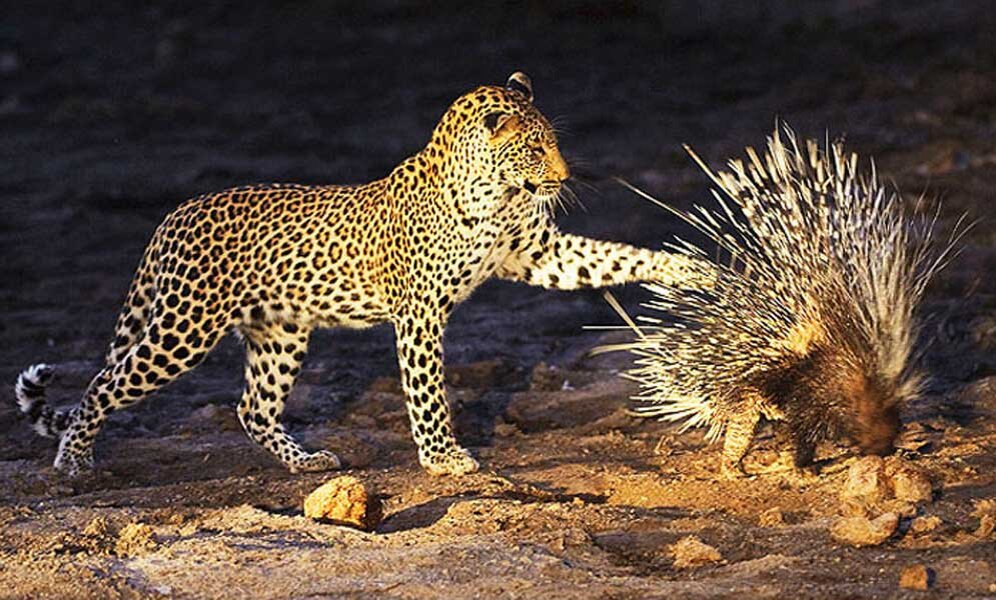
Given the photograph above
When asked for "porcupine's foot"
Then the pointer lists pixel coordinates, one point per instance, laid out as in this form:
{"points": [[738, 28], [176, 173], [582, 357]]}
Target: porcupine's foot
{"points": [[315, 462], [454, 461], [732, 471]]}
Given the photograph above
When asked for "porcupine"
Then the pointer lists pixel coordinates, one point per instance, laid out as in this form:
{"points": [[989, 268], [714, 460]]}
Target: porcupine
{"points": [[812, 321]]}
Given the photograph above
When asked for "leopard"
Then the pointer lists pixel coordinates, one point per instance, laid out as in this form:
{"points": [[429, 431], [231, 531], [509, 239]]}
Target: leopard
{"points": [[272, 263]]}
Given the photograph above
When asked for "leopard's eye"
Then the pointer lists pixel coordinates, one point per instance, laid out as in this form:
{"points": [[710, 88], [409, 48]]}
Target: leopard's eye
{"points": [[538, 150]]}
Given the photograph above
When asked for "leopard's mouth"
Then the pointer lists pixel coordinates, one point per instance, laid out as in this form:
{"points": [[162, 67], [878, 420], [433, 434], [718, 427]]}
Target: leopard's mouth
{"points": [[543, 189]]}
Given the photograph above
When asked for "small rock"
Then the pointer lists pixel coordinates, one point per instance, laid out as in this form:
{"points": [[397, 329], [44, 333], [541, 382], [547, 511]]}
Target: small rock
{"points": [[867, 483], [985, 510], [984, 507], [860, 531], [772, 518], [911, 485], [97, 537], [690, 552], [915, 577], [135, 539], [922, 525], [987, 524], [344, 501]]}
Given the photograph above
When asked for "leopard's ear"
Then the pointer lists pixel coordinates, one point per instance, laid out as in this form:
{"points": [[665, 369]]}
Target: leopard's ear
{"points": [[500, 125], [521, 83]]}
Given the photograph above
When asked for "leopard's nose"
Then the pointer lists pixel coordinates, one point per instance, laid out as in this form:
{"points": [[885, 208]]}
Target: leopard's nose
{"points": [[559, 168]]}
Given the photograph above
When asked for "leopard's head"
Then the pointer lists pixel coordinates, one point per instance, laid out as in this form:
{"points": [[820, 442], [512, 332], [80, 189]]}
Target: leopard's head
{"points": [[506, 138]]}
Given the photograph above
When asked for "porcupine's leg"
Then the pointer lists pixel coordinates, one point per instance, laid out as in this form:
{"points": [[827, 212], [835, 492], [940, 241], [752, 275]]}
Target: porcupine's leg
{"points": [[739, 433], [796, 454], [803, 450]]}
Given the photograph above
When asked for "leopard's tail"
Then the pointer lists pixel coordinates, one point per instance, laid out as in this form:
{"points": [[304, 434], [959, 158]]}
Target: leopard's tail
{"points": [[29, 390]]}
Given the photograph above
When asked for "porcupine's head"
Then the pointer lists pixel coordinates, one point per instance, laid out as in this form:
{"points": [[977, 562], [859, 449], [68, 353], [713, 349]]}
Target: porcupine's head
{"points": [[829, 394], [822, 269], [874, 419]]}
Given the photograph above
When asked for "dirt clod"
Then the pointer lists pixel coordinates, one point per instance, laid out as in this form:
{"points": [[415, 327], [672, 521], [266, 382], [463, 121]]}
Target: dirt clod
{"points": [[875, 486], [135, 539], [344, 501], [922, 525], [915, 577], [861, 531], [690, 552], [97, 527], [772, 517]]}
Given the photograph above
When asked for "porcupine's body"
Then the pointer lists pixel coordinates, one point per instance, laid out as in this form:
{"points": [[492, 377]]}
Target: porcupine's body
{"points": [[812, 320]]}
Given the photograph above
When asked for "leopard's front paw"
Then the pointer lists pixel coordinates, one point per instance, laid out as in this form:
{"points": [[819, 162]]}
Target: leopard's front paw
{"points": [[72, 464], [454, 461], [322, 460]]}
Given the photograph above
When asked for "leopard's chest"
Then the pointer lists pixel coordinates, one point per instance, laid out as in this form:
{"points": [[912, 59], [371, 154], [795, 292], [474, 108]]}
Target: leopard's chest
{"points": [[477, 253]]}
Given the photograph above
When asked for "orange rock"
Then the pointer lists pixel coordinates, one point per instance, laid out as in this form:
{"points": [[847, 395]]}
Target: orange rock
{"points": [[344, 501], [921, 525], [771, 518], [915, 577]]}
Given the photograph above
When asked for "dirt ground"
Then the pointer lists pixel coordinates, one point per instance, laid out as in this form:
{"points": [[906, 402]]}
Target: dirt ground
{"points": [[109, 118]]}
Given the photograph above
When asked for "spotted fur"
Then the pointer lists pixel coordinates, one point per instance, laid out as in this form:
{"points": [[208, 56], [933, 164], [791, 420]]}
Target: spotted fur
{"points": [[275, 262]]}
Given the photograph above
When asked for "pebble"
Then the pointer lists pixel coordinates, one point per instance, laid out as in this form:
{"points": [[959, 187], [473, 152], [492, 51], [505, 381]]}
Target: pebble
{"points": [[987, 524], [915, 577], [344, 501]]}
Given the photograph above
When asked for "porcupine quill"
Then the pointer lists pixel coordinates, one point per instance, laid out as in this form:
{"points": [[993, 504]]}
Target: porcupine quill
{"points": [[812, 320]]}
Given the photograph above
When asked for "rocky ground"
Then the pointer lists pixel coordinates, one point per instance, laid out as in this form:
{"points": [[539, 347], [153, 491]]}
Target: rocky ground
{"points": [[111, 117]]}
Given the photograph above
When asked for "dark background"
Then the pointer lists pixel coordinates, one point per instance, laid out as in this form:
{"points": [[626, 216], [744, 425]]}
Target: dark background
{"points": [[112, 114]]}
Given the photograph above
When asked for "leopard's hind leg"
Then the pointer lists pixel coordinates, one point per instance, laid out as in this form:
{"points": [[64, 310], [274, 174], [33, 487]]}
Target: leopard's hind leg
{"points": [[137, 308], [176, 338], [274, 352]]}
